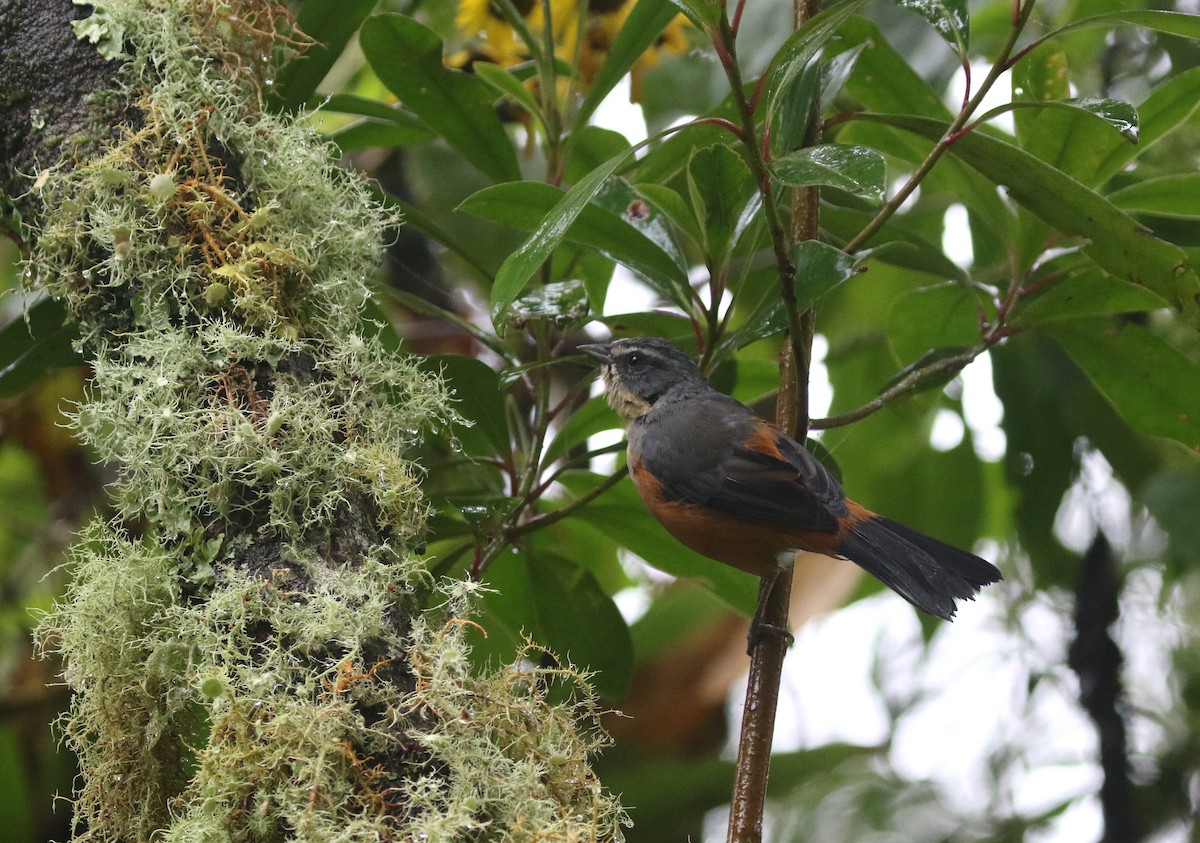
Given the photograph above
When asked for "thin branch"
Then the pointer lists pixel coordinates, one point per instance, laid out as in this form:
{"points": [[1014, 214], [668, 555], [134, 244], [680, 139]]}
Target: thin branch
{"points": [[548, 518], [953, 132], [914, 379]]}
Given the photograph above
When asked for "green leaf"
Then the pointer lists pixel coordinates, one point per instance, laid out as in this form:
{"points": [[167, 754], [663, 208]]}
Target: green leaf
{"points": [[621, 199], [797, 110], [478, 398], [1088, 292], [949, 17], [367, 107], [591, 146], [524, 205], [706, 14], [562, 303], [1117, 242], [331, 23], [934, 317], [641, 28], [368, 133], [581, 623], [1183, 24], [407, 58], [593, 417], [1176, 195], [855, 169], [907, 93], [799, 49], [1053, 126], [1170, 106], [1154, 386], [819, 269], [519, 267], [719, 186], [31, 346], [504, 82], [1119, 115], [655, 323], [672, 206]]}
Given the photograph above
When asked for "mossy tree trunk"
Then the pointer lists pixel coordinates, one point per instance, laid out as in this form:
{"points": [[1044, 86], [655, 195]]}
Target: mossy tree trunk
{"points": [[246, 639]]}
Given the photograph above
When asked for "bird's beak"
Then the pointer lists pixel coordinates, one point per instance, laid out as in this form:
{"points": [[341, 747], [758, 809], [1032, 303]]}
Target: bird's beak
{"points": [[599, 350]]}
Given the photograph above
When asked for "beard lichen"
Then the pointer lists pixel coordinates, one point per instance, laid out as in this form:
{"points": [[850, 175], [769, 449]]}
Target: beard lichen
{"points": [[245, 640]]}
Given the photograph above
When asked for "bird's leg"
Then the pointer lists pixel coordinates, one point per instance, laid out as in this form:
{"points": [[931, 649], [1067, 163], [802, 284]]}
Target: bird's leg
{"points": [[759, 627]]}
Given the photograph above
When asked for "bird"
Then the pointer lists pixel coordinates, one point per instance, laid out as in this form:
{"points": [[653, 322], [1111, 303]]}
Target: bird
{"points": [[734, 488]]}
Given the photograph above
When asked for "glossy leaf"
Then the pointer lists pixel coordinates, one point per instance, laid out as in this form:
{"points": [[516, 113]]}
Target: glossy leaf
{"points": [[524, 205], [797, 110], [1119, 115], [1152, 384], [561, 303], [706, 14], [519, 267], [819, 269], [1117, 242], [32, 345], [883, 81], [407, 57], [1169, 107], [624, 201], [950, 18], [799, 49], [1068, 133], [591, 146], [674, 207], [331, 23], [855, 169]]}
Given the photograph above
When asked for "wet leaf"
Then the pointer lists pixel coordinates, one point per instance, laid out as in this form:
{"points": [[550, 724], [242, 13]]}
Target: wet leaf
{"points": [[855, 169]]}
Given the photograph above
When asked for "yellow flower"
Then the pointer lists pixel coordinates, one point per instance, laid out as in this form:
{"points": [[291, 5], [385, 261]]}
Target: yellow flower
{"points": [[495, 40]]}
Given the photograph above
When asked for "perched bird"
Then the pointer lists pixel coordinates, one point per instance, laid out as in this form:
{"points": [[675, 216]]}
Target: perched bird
{"points": [[732, 487]]}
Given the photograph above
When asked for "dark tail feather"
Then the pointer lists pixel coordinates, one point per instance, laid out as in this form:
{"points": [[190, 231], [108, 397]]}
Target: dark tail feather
{"points": [[924, 571]]}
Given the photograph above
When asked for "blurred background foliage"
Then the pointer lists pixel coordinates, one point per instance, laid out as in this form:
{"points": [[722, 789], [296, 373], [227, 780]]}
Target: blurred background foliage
{"points": [[1024, 323]]}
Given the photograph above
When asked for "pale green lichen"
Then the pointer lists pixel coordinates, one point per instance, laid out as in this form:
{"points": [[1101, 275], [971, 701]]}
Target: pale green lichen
{"points": [[254, 665]]}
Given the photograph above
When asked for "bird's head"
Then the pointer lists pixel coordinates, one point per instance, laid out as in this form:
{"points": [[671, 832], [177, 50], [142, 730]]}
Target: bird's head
{"points": [[641, 370]]}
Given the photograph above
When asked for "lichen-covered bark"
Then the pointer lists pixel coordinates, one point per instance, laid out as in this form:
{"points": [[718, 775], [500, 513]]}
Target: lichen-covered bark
{"points": [[56, 94], [247, 642]]}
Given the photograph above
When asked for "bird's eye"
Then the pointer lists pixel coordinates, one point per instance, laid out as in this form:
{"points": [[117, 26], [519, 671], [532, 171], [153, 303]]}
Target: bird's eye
{"points": [[635, 361]]}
